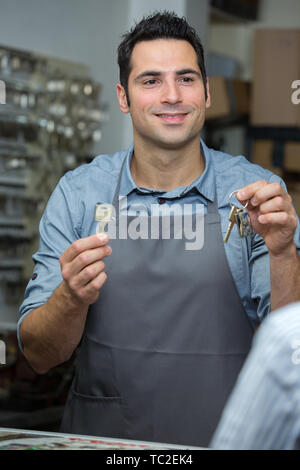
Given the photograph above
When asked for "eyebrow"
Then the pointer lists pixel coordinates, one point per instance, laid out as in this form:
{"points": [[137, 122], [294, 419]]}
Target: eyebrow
{"points": [[156, 73]]}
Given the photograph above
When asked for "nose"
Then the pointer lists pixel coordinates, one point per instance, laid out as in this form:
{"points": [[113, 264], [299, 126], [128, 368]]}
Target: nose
{"points": [[170, 92]]}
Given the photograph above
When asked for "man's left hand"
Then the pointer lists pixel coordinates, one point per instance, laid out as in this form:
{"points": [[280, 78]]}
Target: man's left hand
{"points": [[271, 213]]}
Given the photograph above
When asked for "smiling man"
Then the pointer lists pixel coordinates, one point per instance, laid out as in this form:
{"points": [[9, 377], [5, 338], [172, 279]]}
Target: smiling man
{"points": [[164, 331], [167, 97]]}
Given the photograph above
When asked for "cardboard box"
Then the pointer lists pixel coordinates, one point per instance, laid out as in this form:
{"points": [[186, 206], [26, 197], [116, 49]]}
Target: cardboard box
{"points": [[263, 155], [276, 67], [293, 187], [296, 201], [292, 157], [230, 97]]}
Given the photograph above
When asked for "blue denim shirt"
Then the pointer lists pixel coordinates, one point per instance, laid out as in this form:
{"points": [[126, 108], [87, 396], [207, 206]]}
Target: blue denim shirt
{"points": [[69, 215]]}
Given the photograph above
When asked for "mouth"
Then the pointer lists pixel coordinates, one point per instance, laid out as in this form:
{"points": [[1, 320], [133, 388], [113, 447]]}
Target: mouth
{"points": [[172, 117]]}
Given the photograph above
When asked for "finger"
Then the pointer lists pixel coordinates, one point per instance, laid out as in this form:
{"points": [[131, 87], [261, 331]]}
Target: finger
{"points": [[87, 274], [91, 290], [247, 192], [276, 204], [278, 218], [84, 259], [84, 244], [272, 190], [88, 257]]}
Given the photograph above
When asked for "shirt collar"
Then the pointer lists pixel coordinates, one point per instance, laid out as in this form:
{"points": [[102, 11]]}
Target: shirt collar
{"points": [[204, 184]]}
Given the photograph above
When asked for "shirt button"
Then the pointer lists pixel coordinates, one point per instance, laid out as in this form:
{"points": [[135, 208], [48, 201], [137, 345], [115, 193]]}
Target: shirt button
{"points": [[161, 200]]}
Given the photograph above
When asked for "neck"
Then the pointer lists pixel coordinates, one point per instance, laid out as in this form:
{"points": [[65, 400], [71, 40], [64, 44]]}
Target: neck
{"points": [[166, 169]]}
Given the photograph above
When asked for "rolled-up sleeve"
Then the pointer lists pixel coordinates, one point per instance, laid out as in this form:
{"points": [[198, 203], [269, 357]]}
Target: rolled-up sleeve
{"points": [[58, 229]]}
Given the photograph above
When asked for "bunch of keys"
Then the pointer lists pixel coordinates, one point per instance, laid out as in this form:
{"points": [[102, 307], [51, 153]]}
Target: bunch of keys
{"points": [[103, 215], [240, 217]]}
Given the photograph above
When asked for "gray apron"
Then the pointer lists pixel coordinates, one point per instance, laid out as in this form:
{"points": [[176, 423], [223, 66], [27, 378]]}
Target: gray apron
{"points": [[164, 343]]}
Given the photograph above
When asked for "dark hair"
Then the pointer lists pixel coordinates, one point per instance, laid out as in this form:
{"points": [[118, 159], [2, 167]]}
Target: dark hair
{"points": [[159, 25]]}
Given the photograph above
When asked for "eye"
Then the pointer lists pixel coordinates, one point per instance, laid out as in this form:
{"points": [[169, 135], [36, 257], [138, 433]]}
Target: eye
{"points": [[186, 79], [150, 82]]}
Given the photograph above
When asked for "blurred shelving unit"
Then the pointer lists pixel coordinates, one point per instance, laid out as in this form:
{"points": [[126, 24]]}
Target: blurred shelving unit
{"points": [[48, 125], [50, 120]]}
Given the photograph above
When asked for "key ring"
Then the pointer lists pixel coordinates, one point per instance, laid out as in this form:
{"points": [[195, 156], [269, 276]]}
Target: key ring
{"points": [[235, 192]]}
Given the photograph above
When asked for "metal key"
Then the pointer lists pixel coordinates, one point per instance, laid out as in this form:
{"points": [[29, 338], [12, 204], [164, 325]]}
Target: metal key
{"points": [[232, 220], [103, 214]]}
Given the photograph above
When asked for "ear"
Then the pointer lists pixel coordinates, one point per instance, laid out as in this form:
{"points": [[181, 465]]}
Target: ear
{"points": [[122, 99], [208, 100]]}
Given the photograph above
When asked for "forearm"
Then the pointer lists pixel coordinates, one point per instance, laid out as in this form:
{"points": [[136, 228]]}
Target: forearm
{"points": [[50, 333], [285, 278]]}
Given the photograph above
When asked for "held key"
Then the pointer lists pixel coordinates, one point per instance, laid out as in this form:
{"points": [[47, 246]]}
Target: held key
{"points": [[244, 224], [104, 213], [232, 220]]}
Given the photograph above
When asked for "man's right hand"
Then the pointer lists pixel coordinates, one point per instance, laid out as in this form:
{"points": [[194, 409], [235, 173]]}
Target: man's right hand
{"points": [[82, 268]]}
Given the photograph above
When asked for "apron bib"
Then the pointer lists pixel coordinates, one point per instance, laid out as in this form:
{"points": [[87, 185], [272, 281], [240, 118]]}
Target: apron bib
{"points": [[164, 343]]}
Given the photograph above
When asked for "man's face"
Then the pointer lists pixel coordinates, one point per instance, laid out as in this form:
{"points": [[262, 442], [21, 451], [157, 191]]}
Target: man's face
{"points": [[167, 96]]}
